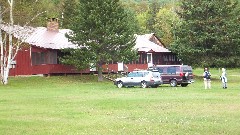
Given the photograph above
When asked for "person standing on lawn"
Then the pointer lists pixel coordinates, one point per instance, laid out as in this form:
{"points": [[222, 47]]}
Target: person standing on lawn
{"points": [[223, 78], [207, 78]]}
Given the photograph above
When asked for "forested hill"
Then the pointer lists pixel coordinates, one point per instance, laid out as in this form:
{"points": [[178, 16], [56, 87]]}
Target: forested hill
{"points": [[150, 1]]}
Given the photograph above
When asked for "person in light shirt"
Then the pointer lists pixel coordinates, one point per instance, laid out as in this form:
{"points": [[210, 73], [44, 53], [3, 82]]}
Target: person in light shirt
{"points": [[223, 78]]}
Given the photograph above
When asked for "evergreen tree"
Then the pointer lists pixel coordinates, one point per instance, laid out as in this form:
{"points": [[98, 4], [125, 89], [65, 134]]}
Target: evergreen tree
{"points": [[69, 12], [153, 10], [105, 30], [209, 33]]}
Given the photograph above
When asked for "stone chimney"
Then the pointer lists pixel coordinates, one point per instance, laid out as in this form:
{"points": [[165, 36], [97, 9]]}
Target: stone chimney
{"points": [[52, 24]]}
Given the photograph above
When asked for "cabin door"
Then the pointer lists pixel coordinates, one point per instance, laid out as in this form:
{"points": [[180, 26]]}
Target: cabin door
{"points": [[120, 66], [149, 59]]}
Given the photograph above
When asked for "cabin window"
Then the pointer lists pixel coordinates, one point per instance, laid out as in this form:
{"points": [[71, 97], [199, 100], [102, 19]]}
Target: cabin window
{"points": [[40, 58], [157, 59], [144, 59], [53, 58], [165, 58]]}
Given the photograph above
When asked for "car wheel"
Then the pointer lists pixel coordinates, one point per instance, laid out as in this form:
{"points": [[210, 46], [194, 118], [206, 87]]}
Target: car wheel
{"points": [[184, 85], [144, 84], [120, 84], [173, 83]]}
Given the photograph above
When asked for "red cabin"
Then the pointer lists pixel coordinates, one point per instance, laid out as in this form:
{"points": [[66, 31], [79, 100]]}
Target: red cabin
{"points": [[42, 48], [151, 52]]}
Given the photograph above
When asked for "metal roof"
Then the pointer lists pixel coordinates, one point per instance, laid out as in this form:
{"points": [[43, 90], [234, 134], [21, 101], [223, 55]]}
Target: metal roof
{"points": [[49, 39], [143, 44], [42, 38], [19, 32]]}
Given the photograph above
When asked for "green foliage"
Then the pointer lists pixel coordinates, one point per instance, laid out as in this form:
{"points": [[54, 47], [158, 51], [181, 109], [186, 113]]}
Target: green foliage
{"points": [[106, 29], [80, 58], [69, 12], [137, 6], [208, 34], [142, 22], [166, 21], [33, 12], [153, 10], [156, 16]]}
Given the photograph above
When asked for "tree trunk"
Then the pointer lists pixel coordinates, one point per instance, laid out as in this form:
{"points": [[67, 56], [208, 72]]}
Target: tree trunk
{"points": [[100, 75], [1, 45], [10, 46]]}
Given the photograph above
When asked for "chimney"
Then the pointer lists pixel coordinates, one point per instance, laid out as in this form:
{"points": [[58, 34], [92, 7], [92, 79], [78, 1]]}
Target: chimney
{"points": [[52, 25]]}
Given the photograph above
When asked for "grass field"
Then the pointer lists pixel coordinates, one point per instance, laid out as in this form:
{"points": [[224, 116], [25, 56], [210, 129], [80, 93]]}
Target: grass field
{"points": [[81, 105]]}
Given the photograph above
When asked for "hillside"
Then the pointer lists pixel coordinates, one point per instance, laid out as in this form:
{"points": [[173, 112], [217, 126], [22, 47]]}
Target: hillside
{"points": [[149, 1]]}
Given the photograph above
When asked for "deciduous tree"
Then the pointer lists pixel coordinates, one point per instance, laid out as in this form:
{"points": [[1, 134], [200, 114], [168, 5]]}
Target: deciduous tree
{"points": [[9, 47], [166, 21]]}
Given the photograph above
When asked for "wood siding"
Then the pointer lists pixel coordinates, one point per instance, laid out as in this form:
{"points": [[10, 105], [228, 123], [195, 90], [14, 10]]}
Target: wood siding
{"points": [[24, 64]]}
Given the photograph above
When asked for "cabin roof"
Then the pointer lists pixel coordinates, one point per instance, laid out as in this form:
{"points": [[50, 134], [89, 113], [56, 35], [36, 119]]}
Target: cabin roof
{"points": [[145, 45], [40, 37], [49, 39]]}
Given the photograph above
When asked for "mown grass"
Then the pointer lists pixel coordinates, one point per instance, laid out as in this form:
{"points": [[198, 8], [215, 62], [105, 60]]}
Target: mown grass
{"points": [[81, 105]]}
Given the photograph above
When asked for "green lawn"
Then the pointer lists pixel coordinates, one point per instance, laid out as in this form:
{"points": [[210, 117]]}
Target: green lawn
{"points": [[80, 105]]}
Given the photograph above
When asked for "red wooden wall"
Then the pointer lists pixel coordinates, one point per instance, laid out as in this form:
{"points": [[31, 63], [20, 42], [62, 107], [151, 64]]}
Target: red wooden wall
{"points": [[23, 63], [24, 66]]}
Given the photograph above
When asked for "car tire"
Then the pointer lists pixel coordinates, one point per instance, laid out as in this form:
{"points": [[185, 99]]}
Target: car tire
{"points": [[173, 83], [144, 84], [184, 85], [119, 84]]}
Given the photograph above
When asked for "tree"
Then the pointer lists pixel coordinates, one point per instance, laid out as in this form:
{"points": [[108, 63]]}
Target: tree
{"points": [[69, 12], [6, 63], [106, 31], [209, 33], [166, 20], [9, 47], [137, 6], [142, 22], [153, 10], [27, 9], [1, 46]]}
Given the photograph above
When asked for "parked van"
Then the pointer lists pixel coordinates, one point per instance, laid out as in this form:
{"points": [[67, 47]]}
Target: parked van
{"points": [[175, 74]]}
